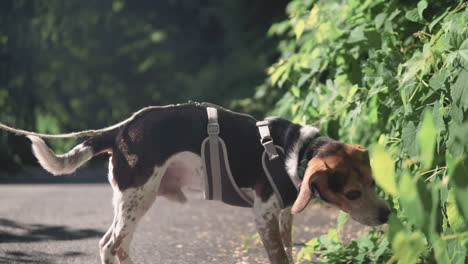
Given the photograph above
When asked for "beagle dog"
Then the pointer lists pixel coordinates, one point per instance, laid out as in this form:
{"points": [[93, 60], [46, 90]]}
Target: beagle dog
{"points": [[157, 152]]}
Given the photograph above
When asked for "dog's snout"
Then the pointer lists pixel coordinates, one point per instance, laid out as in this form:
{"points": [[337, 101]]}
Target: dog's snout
{"points": [[384, 212]]}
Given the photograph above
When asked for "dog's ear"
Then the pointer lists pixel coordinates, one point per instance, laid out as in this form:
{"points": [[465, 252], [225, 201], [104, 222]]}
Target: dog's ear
{"points": [[315, 167], [357, 152]]}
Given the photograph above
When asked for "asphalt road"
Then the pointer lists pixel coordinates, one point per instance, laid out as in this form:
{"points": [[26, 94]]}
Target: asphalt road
{"points": [[62, 223]]}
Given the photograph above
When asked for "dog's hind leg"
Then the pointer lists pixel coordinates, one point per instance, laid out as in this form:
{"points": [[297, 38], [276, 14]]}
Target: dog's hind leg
{"points": [[130, 205], [285, 224], [267, 222], [106, 258]]}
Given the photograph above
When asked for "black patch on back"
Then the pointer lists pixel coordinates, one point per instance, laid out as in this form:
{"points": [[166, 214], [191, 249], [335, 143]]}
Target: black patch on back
{"points": [[284, 133], [336, 182]]}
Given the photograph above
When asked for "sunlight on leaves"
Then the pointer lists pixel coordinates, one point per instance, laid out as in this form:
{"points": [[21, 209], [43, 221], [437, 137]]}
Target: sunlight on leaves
{"points": [[383, 170]]}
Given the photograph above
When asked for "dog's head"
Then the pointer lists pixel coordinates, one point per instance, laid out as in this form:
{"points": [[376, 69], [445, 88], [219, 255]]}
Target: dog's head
{"points": [[340, 174]]}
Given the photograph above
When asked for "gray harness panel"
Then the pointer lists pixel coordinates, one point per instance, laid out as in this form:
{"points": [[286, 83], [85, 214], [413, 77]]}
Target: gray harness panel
{"points": [[220, 185]]}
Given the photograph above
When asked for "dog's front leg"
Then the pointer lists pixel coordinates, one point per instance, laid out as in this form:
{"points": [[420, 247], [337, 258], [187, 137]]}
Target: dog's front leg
{"points": [[285, 223], [267, 222]]}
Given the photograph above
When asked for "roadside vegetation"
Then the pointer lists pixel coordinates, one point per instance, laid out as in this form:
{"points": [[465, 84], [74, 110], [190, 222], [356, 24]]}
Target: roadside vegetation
{"points": [[393, 76]]}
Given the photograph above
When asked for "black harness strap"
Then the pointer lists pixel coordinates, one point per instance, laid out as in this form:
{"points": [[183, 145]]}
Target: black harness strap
{"points": [[284, 185]]}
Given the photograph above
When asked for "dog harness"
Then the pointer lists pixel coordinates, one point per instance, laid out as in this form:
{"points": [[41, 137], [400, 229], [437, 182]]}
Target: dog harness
{"points": [[219, 183]]}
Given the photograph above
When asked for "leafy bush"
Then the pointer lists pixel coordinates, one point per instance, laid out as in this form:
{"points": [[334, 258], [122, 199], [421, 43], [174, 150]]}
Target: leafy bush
{"points": [[392, 75]]}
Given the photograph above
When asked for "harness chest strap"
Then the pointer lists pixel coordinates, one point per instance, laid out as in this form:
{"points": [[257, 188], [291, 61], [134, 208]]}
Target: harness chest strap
{"points": [[266, 139], [284, 186]]}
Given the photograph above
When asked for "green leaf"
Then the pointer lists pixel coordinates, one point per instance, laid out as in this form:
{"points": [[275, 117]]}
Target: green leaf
{"points": [[280, 70], [411, 201], [395, 225], [456, 220], [413, 15], [295, 91], [365, 243], [146, 64], [457, 37], [459, 90], [462, 54], [440, 250], [379, 20], [414, 65], [438, 113], [438, 19], [456, 114], [333, 235], [408, 246], [307, 251], [456, 144], [427, 139], [383, 169], [437, 81], [422, 5], [456, 251], [117, 6], [341, 221], [158, 36], [382, 247], [357, 34], [408, 139], [299, 28], [458, 176]]}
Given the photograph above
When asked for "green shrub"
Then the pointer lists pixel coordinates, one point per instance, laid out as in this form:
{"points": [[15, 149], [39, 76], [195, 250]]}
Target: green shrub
{"points": [[392, 75]]}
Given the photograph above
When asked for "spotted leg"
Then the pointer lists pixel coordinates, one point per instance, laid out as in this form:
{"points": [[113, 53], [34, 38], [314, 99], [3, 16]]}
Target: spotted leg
{"points": [[267, 222], [107, 258], [130, 205], [285, 224]]}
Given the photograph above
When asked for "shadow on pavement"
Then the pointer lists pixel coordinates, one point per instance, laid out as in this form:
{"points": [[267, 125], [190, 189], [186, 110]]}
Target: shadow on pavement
{"points": [[11, 231], [35, 257], [37, 175]]}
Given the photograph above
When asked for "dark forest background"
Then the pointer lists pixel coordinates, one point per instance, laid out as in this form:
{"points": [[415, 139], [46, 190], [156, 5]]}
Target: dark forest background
{"points": [[72, 65]]}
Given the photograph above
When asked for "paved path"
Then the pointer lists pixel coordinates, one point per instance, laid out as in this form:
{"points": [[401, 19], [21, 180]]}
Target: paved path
{"points": [[62, 223]]}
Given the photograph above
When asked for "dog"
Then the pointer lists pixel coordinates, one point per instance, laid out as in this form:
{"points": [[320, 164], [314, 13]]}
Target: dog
{"points": [[156, 152]]}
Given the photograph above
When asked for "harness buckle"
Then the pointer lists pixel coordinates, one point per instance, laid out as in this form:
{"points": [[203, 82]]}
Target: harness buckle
{"points": [[270, 149], [213, 129], [262, 123]]}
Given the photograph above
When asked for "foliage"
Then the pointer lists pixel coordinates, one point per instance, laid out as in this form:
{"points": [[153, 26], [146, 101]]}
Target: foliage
{"points": [[72, 65], [391, 75], [369, 248]]}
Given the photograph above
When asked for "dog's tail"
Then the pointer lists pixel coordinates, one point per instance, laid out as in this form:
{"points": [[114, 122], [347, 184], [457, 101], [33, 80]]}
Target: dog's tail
{"points": [[70, 161]]}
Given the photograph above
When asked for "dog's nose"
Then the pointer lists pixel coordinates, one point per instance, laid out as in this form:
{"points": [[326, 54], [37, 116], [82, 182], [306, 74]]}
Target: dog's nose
{"points": [[384, 212]]}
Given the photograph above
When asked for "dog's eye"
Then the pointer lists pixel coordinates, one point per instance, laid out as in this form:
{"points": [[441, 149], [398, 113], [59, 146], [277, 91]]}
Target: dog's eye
{"points": [[353, 195]]}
